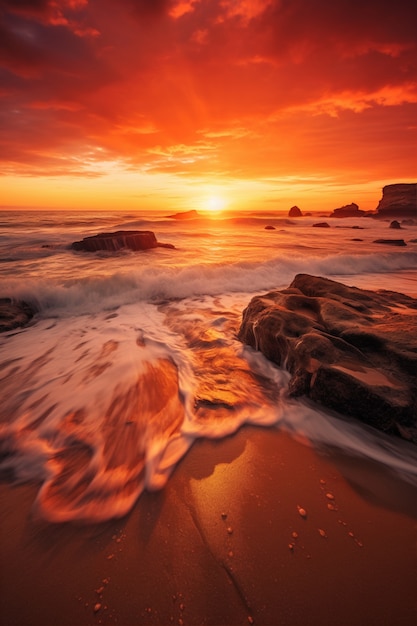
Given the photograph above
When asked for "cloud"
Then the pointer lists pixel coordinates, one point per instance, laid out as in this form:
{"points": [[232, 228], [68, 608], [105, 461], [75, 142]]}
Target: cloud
{"points": [[239, 86]]}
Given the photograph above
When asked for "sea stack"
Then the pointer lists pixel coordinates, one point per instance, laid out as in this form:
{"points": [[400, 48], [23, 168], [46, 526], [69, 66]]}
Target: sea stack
{"points": [[398, 200]]}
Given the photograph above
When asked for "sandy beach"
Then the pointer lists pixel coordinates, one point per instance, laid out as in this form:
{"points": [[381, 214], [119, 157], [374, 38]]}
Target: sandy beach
{"points": [[255, 528]]}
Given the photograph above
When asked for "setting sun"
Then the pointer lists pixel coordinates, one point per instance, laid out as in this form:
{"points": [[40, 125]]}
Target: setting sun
{"points": [[215, 203]]}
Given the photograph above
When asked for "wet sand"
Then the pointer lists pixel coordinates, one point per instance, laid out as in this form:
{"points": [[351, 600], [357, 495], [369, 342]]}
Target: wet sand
{"points": [[224, 543]]}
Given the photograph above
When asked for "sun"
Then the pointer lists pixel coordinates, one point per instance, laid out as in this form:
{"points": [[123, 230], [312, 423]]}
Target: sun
{"points": [[215, 203]]}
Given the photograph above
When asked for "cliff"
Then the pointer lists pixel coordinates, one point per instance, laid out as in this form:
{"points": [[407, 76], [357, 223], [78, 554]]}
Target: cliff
{"points": [[398, 200]]}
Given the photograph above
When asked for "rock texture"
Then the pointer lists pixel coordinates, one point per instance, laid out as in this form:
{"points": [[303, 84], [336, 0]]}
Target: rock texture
{"points": [[348, 210], [14, 313], [398, 200], [351, 350], [131, 239], [294, 212]]}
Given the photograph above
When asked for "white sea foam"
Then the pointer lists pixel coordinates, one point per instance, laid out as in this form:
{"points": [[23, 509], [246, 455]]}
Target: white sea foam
{"points": [[133, 356], [92, 293]]}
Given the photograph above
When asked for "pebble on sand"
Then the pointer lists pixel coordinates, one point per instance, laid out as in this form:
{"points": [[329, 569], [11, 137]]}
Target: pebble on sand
{"points": [[302, 511]]}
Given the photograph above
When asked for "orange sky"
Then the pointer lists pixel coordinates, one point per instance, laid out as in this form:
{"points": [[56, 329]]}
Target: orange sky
{"points": [[156, 103]]}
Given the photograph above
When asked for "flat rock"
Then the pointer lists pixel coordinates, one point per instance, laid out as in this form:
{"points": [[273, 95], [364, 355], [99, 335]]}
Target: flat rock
{"points": [[14, 314], [122, 239], [185, 215], [321, 225], [391, 242], [348, 349]]}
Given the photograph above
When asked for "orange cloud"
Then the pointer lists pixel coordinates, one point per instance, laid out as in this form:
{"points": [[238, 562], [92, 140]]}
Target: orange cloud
{"points": [[232, 88]]}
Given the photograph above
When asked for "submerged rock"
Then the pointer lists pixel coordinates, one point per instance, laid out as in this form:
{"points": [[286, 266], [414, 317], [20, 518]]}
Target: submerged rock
{"points": [[321, 225], [391, 242], [185, 215], [398, 200], [112, 242], [349, 349], [14, 313]]}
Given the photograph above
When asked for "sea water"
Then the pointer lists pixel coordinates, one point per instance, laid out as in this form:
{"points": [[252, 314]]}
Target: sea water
{"points": [[133, 355]]}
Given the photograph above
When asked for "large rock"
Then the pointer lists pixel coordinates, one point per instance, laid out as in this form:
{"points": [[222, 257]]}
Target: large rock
{"points": [[131, 239], [14, 313], [294, 212], [398, 200], [348, 349], [348, 210]]}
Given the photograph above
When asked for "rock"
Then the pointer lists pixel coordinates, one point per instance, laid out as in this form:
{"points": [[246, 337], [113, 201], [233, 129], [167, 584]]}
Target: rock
{"points": [[321, 225], [395, 224], [398, 200], [294, 212], [348, 210], [391, 242], [346, 348], [130, 239], [270, 227], [185, 215], [14, 314]]}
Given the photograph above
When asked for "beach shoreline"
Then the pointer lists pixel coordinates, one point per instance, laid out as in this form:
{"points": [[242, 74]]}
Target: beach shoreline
{"points": [[225, 542]]}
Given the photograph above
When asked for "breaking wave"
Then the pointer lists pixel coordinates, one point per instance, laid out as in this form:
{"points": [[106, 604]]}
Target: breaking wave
{"points": [[92, 293]]}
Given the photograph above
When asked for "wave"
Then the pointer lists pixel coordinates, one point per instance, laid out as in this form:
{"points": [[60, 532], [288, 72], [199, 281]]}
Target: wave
{"points": [[99, 408], [155, 283]]}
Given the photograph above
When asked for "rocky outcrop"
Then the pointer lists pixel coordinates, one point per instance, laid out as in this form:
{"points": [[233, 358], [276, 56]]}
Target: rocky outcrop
{"points": [[112, 242], [294, 212], [348, 349], [14, 314], [348, 210], [398, 200]]}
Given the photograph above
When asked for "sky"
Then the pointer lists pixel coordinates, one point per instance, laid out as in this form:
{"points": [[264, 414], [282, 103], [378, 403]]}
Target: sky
{"points": [[206, 104]]}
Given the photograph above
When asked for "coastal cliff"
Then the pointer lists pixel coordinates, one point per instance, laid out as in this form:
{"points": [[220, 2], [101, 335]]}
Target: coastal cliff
{"points": [[398, 200]]}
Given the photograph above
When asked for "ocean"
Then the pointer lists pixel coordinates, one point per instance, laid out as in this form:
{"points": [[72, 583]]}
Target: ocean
{"points": [[133, 356]]}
